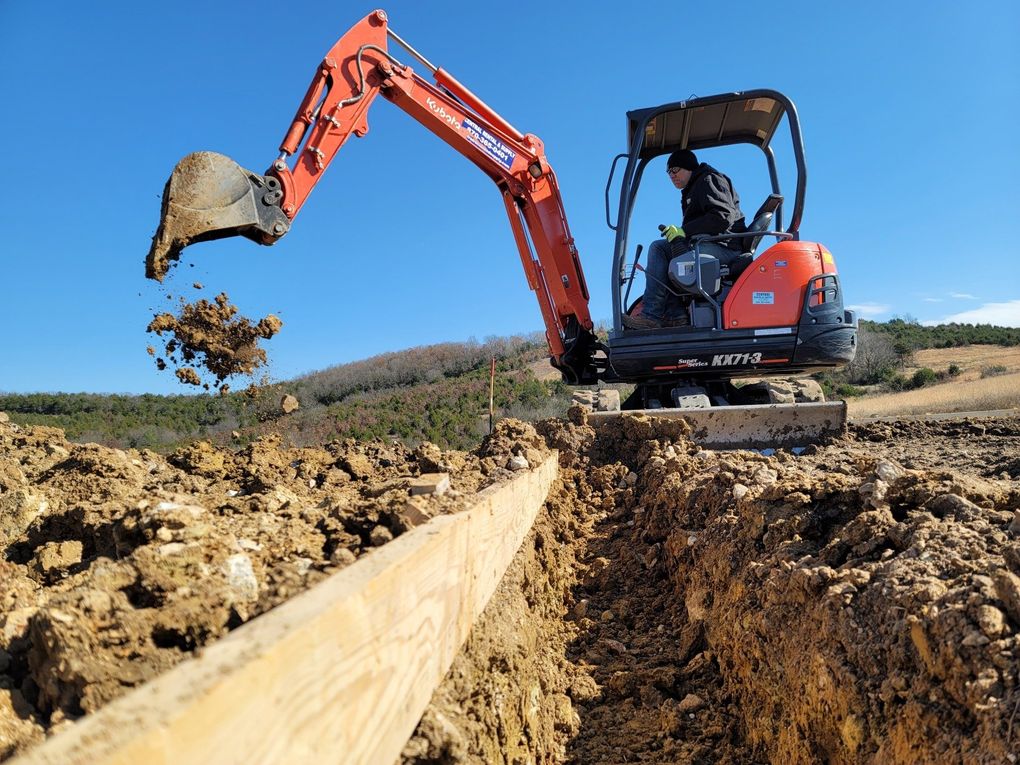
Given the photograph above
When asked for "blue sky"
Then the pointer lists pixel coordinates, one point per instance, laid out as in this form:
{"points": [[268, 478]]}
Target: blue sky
{"points": [[909, 112]]}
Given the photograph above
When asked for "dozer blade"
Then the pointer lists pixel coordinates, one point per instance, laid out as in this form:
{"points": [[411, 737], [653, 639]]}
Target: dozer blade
{"points": [[759, 426], [209, 196]]}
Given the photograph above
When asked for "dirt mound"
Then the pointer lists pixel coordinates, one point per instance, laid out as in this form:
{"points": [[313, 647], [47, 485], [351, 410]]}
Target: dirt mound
{"points": [[859, 602], [116, 565], [212, 336], [738, 608]]}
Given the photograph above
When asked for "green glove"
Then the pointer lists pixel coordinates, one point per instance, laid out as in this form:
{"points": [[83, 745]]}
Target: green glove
{"points": [[672, 232]]}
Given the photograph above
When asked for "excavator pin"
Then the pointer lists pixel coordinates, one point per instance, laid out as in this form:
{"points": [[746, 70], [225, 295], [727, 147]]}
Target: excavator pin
{"points": [[209, 196]]}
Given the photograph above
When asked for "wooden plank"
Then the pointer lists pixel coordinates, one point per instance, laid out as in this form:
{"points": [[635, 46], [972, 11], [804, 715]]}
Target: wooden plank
{"points": [[340, 673]]}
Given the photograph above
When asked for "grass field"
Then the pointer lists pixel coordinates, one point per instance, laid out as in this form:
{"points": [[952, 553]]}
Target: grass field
{"points": [[971, 359], [961, 395], [973, 389]]}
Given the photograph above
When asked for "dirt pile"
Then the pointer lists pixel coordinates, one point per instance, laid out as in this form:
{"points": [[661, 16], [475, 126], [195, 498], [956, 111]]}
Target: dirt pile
{"points": [[116, 565], [211, 336], [859, 602], [735, 608]]}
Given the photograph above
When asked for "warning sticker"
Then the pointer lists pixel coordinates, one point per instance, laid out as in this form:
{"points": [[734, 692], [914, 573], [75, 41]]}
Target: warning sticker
{"points": [[489, 143], [763, 298], [759, 105]]}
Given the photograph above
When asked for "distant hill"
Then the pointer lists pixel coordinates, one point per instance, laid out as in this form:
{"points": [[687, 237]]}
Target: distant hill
{"points": [[440, 393]]}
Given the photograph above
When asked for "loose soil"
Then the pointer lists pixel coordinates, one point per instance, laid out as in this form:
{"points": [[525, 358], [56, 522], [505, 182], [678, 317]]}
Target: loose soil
{"points": [[859, 602], [211, 336], [116, 565]]}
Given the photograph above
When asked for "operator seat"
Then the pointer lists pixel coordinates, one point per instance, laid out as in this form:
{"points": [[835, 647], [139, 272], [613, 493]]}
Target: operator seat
{"points": [[760, 224]]}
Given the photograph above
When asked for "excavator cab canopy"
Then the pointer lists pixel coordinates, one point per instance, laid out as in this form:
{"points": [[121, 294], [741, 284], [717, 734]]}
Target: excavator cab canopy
{"points": [[748, 117]]}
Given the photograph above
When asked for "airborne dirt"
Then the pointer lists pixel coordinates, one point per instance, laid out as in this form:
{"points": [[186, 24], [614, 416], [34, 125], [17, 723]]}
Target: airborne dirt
{"points": [[211, 336], [857, 603]]}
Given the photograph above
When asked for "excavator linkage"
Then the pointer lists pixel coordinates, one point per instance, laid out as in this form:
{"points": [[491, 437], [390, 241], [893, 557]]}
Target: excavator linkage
{"points": [[209, 196]]}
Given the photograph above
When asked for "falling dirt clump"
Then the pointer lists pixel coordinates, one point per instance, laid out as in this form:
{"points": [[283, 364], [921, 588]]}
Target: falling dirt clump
{"points": [[188, 376], [212, 336]]}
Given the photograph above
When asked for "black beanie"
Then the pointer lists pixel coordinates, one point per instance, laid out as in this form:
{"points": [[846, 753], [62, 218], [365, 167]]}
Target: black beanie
{"points": [[682, 158]]}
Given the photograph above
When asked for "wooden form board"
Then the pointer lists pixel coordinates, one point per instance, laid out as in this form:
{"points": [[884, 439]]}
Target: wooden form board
{"points": [[338, 674]]}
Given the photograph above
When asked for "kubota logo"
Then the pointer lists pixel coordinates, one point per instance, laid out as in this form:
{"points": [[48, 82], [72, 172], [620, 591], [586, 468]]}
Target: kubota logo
{"points": [[440, 112]]}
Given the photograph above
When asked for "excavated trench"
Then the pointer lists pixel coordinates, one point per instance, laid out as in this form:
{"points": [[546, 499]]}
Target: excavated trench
{"points": [[677, 605], [859, 602]]}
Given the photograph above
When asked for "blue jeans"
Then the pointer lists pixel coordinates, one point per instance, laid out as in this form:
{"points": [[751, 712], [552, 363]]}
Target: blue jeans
{"points": [[658, 302]]}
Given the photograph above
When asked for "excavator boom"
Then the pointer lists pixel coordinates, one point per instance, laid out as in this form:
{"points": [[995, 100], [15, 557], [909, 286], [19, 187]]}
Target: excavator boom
{"points": [[209, 196]]}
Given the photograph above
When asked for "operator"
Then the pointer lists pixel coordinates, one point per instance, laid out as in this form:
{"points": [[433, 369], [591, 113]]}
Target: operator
{"points": [[711, 208]]}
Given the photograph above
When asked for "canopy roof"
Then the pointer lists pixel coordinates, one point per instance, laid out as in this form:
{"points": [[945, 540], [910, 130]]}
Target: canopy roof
{"points": [[748, 117]]}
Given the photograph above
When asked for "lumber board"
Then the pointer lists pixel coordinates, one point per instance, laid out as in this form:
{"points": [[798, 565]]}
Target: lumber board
{"points": [[338, 674]]}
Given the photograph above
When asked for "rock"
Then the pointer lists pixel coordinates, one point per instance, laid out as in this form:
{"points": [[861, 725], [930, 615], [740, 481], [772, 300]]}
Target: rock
{"points": [[53, 557], [4, 417], [960, 508], [413, 514], [690, 703], [289, 404], [18, 509], [380, 535], [517, 462], [888, 471], [342, 557], [607, 616], [739, 491], [614, 646], [430, 483], [241, 577], [580, 609], [1014, 525], [991, 620], [584, 688], [358, 465], [1007, 588], [765, 475]]}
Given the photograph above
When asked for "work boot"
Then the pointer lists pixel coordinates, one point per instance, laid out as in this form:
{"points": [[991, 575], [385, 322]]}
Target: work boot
{"points": [[641, 322], [678, 321]]}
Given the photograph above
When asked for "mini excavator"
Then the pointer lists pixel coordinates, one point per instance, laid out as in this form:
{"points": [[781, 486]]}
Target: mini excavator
{"points": [[776, 313]]}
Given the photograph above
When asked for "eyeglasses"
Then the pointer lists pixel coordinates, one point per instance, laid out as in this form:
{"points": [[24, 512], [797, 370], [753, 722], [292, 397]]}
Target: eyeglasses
{"points": [[674, 170]]}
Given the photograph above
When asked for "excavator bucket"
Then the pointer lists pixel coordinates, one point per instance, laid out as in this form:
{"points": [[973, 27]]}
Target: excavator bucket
{"points": [[209, 196], [756, 426]]}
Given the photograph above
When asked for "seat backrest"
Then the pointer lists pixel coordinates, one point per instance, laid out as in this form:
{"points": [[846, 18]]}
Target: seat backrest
{"points": [[761, 221]]}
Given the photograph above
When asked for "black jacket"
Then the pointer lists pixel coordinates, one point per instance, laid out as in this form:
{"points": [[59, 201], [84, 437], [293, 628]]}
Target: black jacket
{"points": [[712, 207]]}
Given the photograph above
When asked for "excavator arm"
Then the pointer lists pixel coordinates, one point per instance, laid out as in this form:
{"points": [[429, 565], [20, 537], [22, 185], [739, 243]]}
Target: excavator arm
{"points": [[209, 196]]}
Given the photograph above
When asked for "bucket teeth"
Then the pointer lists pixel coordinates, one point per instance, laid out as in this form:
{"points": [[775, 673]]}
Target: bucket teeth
{"points": [[209, 196]]}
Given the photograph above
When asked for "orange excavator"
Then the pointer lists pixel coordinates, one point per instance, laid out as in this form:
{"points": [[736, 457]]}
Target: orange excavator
{"points": [[777, 313]]}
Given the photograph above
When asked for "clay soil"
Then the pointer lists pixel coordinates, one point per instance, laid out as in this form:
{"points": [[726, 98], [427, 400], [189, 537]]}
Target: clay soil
{"points": [[856, 603], [212, 337], [116, 565]]}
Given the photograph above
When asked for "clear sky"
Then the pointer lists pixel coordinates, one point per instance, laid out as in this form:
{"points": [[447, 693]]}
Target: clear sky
{"points": [[909, 111]]}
